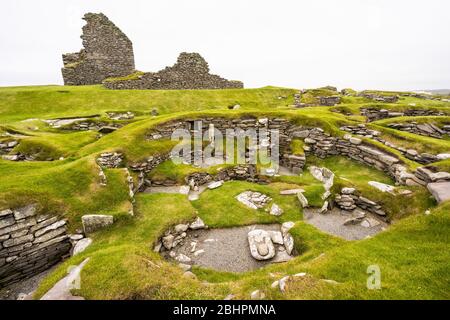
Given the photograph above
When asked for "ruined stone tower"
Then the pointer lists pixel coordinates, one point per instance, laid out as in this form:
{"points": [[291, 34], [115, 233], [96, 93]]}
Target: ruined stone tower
{"points": [[107, 53]]}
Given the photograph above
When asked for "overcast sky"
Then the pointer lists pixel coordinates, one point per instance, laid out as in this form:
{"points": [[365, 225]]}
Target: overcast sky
{"points": [[379, 44]]}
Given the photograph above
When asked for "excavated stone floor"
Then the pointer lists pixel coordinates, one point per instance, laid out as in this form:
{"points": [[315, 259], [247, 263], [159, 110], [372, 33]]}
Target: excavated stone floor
{"points": [[332, 222], [224, 249]]}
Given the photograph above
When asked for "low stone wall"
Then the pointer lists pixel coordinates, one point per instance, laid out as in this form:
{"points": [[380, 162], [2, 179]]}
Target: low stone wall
{"points": [[379, 98], [423, 129], [7, 146], [190, 71], [349, 199], [317, 142], [329, 101], [30, 243], [374, 114]]}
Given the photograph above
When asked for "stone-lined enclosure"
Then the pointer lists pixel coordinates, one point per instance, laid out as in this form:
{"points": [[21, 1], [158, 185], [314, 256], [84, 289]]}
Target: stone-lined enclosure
{"points": [[316, 142], [108, 58]]}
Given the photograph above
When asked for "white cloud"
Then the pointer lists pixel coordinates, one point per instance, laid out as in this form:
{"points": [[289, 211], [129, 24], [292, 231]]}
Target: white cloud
{"points": [[349, 43]]}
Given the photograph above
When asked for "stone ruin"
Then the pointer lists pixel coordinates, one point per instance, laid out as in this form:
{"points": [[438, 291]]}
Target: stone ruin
{"points": [[191, 71], [107, 53], [108, 56]]}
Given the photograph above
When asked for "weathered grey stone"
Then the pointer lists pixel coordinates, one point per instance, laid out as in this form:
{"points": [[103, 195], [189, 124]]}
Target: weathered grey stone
{"points": [[5, 222], [197, 224], [81, 245], [107, 53], [261, 246], [275, 210], [257, 295], [94, 222], [291, 191], [18, 226], [286, 226], [276, 237], [25, 212], [288, 241], [190, 71], [5, 212], [440, 190], [50, 235], [167, 241], [303, 201], [51, 227], [215, 184], [18, 241]]}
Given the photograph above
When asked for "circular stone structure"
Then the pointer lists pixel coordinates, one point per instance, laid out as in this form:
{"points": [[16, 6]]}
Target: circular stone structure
{"points": [[224, 249]]}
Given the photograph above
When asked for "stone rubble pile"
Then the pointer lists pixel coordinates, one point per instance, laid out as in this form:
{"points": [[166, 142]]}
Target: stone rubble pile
{"points": [[110, 159], [253, 200], [30, 243], [176, 235]]}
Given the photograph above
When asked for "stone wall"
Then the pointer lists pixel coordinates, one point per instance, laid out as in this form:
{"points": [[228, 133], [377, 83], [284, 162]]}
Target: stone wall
{"points": [[107, 53], [374, 114], [423, 129], [190, 71], [316, 141], [349, 199], [379, 97], [30, 243]]}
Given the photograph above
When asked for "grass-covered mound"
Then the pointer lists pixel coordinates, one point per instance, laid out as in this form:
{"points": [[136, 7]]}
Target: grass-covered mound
{"points": [[412, 253]]}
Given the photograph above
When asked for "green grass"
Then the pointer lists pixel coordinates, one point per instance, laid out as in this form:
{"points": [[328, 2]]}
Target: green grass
{"points": [[412, 253]]}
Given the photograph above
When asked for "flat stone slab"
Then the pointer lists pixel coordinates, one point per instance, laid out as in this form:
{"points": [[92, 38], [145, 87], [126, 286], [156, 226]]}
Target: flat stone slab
{"points": [[440, 190], [226, 249], [333, 223], [61, 290]]}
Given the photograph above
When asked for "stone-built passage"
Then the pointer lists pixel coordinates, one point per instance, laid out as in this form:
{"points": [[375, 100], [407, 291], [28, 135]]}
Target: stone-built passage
{"points": [[107, 53]]}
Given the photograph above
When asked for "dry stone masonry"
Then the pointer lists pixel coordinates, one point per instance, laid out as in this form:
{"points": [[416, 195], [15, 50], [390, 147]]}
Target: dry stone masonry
{"points": [[349, 199], [191, 71], [107, 53], [424, 129], [374, 114], [30, 243]]}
